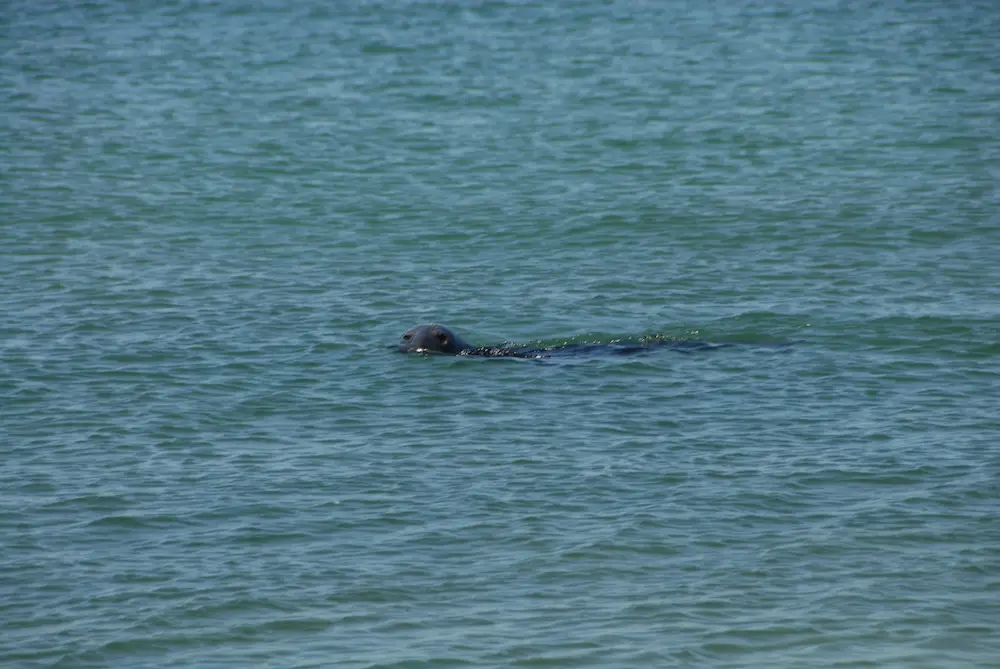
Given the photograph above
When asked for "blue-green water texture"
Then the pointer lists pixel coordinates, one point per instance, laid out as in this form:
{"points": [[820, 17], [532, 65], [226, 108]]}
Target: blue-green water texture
{"points": [[217, 219]]}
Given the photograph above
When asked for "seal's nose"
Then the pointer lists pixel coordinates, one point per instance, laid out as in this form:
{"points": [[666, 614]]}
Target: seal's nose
{"points": [[408, 343], [405, 344]]}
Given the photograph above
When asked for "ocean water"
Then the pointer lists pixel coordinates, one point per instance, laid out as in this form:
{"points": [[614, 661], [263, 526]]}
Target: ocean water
{"points": [[216, 218]]}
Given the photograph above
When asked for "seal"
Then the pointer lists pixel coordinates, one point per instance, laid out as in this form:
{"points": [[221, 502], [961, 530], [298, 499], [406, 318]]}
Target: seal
{"points": [[432, 338], [437, 338]]}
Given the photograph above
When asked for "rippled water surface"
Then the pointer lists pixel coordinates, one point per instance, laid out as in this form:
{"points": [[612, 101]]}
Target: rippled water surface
{"points": [[217, 218]]}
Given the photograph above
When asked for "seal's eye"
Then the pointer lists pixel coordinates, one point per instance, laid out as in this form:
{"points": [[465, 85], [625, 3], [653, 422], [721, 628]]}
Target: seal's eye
{"points": [[407, 336]]}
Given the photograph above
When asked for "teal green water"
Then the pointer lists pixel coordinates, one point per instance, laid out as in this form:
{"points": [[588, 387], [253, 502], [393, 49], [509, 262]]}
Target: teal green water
{"points": [[216, 218]]}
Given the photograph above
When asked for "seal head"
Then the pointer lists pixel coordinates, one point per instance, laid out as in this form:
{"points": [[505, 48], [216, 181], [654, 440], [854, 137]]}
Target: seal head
{"points": [[432, 338]]}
